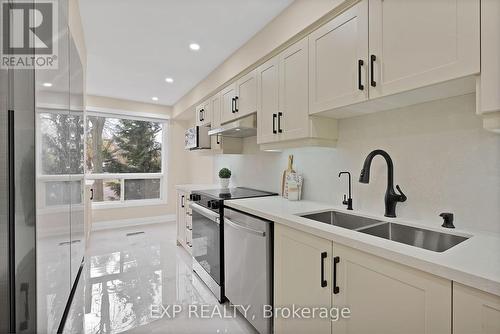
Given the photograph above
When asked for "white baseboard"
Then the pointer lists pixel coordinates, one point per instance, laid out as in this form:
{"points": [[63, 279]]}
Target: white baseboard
{"points": [[111, 224]]}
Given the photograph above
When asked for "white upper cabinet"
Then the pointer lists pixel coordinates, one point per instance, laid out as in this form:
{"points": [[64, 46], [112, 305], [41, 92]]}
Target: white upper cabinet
{"points": [[215, 108], [239, 98], [283, 102], [268, 101], [227, 103], [203, 113], [415, 43], [338, 60], [293, 122], [246, 95], [488, 83]]}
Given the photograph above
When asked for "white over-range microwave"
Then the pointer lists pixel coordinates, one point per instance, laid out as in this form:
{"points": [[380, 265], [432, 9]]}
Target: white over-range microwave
{"points": [[197, 138]]}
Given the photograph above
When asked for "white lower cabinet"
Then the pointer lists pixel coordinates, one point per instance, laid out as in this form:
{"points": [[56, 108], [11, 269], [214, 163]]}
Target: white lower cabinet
{"points": [[298, 261], [389, 298], [382, 296], [475, 311], [184, 221]]}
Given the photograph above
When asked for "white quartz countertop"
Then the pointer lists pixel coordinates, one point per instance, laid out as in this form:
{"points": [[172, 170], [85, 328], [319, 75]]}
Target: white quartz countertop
{"points": [[474, 262], [194, 186]]}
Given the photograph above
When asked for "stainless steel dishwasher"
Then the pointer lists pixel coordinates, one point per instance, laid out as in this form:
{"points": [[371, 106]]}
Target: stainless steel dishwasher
{"points": [[248, 258]]}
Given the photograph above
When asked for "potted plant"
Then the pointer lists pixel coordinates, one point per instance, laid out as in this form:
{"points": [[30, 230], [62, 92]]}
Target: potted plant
{"points": [[224, 176]]}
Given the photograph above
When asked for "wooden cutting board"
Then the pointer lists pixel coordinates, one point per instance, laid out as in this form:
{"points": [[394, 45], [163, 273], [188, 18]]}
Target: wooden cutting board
{"points": [[287, 172]]}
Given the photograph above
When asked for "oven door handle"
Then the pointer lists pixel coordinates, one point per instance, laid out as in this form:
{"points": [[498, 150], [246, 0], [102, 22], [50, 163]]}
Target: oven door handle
{"points": [[246, 229], [205, 212]]}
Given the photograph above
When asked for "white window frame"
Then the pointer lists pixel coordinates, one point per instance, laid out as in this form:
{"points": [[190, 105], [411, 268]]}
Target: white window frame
{"points": [[163, 175]]}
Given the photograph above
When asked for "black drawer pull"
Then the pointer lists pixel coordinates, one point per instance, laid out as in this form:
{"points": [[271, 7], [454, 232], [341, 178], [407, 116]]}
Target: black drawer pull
{"points": [[236, 104], [336, 289], [372, 65], [360, 65], [323, 280], [280, 114], [232, 105], [274, 123]]}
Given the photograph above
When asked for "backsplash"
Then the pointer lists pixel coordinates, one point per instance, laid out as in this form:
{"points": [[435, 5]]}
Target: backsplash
{"points": [[443, 160]]}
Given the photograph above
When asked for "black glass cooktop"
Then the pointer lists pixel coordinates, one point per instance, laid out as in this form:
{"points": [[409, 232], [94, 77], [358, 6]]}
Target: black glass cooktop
{"points": [[235, 193]]}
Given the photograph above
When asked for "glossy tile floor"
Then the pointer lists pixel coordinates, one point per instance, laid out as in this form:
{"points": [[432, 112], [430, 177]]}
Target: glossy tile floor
{"points": [[131, 278]]}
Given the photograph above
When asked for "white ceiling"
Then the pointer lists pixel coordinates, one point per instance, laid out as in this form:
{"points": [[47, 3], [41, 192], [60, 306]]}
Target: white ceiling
{"points": [[133, 45]]}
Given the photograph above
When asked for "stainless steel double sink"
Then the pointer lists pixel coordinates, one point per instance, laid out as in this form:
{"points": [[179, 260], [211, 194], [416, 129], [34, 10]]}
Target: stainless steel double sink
{"points": [[413, 236]]}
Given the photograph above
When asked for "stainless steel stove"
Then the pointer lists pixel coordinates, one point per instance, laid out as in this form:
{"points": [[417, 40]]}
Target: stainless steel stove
{"points": [[208, 233]]}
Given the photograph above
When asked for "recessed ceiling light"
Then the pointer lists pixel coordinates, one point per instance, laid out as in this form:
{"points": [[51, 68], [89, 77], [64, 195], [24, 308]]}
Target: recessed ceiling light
{"points": [[169, 80], [194, 46], [47, 84], [154, 98], [238, 129]]}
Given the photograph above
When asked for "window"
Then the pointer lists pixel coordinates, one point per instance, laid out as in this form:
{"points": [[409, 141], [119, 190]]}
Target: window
{"points": [[125, 158], [59, 151]]}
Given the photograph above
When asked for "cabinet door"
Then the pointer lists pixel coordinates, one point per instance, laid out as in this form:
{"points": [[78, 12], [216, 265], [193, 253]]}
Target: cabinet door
{"points": [[246, 95], [416, 45], [199, 114], [474, 311], [390, 298], [338, 60], [227, 103], [267, 101], [293, 123], [298, 261], [203, 113], [181, 218], [215, 106]]}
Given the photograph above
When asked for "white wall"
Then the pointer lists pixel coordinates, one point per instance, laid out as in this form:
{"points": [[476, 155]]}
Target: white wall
{"points": [[444, 161]]}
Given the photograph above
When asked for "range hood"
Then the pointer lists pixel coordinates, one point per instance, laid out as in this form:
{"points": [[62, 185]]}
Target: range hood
{"points": [[241, 128]]}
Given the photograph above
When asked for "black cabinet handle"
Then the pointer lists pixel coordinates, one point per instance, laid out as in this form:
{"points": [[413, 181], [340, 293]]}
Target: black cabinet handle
{"points": [[360, 65], [91, 193], [24, 324], [182, 201], [280, 114], [324, 283], [232, 105], [372, 65], [236, 104], [336, 289], [274, 123], [217, 139]]}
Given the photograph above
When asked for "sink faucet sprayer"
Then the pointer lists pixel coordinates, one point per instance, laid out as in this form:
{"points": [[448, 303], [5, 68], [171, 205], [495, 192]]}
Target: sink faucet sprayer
{"points": [[391, 197]]}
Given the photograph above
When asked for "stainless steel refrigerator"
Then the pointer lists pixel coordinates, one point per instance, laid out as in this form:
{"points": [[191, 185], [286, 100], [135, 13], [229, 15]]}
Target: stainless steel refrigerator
{"points": [[41, 189]]}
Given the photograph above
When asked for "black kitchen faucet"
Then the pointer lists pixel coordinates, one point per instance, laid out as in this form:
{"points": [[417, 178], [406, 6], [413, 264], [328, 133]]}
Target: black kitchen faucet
{"points": [[391, 197]]}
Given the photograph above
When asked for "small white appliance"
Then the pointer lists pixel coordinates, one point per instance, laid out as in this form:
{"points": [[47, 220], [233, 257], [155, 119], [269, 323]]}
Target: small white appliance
{"points": [[197, 138]]}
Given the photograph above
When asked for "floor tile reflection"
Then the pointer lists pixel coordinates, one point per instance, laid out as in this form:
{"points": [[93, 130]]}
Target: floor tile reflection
{"points": [[129, 274]]}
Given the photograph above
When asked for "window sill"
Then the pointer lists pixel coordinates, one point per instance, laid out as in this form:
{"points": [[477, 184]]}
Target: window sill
{"points": [[127, 204]]}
